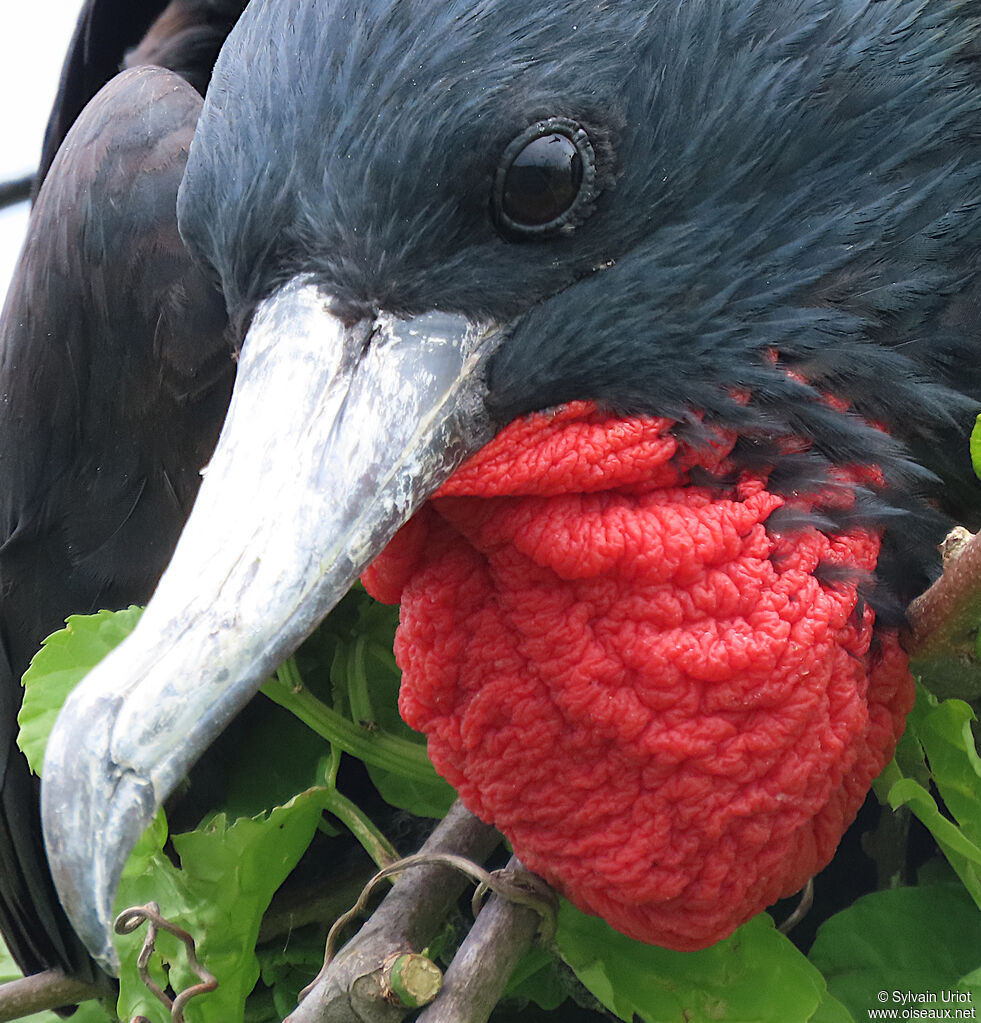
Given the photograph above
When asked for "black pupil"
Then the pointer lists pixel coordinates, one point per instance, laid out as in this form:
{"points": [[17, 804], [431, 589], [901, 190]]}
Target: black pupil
{"points": [[542, 181]]}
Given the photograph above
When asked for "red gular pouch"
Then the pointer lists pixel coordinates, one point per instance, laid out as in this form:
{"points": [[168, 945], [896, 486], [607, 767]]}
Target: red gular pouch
{"points": [[656, 699]]}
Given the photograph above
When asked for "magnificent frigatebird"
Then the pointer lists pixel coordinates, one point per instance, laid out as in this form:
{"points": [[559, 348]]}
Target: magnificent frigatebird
{"points": [[755, 220]]}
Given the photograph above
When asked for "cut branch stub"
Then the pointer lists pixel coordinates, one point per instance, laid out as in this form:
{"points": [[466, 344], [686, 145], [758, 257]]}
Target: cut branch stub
{"points": [[411, 980], [942, 641], [351, 987], [522, 908]]}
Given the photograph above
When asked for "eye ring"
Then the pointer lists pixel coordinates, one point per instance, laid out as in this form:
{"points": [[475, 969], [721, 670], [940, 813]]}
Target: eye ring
{"points": [[545, 183]]}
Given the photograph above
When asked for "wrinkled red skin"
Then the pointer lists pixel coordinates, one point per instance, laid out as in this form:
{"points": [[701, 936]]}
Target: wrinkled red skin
{"points": [[655, 699]]}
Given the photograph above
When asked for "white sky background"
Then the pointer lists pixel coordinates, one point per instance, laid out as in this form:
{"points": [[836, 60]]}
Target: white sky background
{"points": [[33, 41]]}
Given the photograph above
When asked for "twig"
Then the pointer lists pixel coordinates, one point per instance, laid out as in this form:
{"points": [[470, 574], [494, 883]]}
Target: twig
{"points": [[944, 625], [506, 883], [801, 910], [130, 920], [15, 191], [48, 990], [460, 863], [350, 989], [480, 970]]}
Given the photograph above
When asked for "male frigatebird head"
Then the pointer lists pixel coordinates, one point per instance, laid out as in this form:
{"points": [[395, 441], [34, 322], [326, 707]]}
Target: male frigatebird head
{"points": [[751, 218]]}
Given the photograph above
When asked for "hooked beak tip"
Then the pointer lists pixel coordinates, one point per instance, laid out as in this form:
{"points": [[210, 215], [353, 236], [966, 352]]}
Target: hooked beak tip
{"points": [[90, 827]]}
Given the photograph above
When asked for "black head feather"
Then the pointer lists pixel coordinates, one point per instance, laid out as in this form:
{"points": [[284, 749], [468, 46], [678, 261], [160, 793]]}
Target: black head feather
{"points": [[787, 208]]}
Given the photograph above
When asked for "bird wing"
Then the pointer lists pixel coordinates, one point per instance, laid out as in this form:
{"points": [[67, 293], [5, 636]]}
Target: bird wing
{"points": [[101, 454], [182, 35], [105, 30]]}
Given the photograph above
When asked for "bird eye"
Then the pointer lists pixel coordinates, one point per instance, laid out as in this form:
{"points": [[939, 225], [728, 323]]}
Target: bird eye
{"points": [[545, 181]]}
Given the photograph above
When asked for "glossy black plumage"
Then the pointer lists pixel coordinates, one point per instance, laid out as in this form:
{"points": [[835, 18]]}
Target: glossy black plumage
{"points": [[774, 177], [115, 374]]}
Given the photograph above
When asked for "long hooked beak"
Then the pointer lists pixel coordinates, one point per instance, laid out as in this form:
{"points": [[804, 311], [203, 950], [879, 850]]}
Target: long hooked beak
{"points": [[336, 434]]}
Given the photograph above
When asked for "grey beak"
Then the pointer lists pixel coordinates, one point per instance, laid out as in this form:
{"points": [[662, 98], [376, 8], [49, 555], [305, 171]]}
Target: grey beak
{"points": [[335, 435]]}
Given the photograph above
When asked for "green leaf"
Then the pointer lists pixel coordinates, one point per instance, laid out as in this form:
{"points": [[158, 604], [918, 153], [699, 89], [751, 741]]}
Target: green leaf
{"points": [[286, 970], [832, 1011], [922, 940], [430, 798], [228, 873], [537, 979], [943, 732], [64, 659], [976, 447], [962, 854], [754, 976], [258, 774], [910, 756]]}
